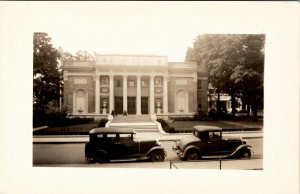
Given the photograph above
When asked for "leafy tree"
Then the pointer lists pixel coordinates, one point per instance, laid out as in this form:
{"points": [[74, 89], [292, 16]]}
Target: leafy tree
{"points": [[46, 74], [235, 64], [81, 55]]}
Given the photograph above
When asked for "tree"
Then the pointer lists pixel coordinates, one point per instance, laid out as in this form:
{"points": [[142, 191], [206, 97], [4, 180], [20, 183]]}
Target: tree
{"points": [[81, 55], [234, 62], [47, 77]]}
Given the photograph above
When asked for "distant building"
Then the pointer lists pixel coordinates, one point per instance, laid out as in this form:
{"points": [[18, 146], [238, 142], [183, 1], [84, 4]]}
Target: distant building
{"points": [[137, 84]]}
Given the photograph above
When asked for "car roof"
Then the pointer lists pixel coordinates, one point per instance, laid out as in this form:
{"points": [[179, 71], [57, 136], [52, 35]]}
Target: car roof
{"points": [[111, 130], [202, 128]]}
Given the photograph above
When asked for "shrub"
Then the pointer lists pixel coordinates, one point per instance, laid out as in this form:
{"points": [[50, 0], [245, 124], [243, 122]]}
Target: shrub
{"points": [[102, 122], [200, 115], [164, 125]]}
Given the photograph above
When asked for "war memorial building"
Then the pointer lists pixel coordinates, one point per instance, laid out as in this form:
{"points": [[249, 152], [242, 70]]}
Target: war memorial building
{"points": [[137, 84]]}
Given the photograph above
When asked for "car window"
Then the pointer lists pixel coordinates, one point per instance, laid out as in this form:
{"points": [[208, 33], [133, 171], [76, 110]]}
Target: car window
{"points": [[214, 135], [204, 136]]}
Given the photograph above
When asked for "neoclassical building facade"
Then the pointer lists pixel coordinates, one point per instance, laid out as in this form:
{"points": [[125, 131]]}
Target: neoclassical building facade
{"points": [[137, 84]]}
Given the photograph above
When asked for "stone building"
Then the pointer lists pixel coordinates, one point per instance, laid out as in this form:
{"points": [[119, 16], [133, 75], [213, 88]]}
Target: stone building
{"points": [[137, 84]]}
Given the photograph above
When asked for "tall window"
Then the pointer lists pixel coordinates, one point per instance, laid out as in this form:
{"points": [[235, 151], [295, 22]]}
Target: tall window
{"points": [[199, 84], [118, 83]]}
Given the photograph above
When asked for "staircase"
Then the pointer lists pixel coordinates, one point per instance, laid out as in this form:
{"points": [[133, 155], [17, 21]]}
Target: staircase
{"points": [[132, 118]]}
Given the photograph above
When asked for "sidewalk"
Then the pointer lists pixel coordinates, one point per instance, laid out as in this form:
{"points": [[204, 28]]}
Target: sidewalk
{"points": [[141, 136]]}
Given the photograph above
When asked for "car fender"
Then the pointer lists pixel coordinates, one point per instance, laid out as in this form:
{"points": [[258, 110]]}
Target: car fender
{"points": [[189, 148], [240, 148], [156, 148], [102, 151]]}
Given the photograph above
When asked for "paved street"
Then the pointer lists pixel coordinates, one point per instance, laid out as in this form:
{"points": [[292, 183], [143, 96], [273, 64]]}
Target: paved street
{"points": [[72, 155]]}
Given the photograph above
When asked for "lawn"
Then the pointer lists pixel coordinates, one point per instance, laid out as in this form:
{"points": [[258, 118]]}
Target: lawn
{"points": [[180, 126]]}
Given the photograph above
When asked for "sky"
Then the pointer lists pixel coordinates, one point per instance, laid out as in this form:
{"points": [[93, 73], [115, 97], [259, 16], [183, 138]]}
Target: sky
{"points": [[155, 28]]}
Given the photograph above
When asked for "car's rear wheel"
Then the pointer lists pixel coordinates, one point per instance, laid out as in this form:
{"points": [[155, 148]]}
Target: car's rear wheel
{"points": [[192, 154], [101, 157], [157, 156]]}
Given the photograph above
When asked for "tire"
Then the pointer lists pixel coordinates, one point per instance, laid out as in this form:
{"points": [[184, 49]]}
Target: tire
{"points": [[192, 155], [101, 157], [157, 156]]}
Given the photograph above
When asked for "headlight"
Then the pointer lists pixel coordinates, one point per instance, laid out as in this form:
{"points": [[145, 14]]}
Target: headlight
{"points": [[157, 142]]}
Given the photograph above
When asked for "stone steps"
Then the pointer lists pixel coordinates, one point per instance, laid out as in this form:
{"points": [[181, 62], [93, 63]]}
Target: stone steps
{"points": [[132, 118]]}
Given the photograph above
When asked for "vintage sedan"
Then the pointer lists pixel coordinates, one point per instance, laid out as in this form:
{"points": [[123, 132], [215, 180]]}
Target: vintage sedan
{"points": [[208, 142], [119, 144]]}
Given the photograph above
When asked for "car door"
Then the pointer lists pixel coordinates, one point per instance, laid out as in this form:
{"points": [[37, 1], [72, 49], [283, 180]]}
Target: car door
{"points": [[114, 147], [129, 148], [215, 144]]}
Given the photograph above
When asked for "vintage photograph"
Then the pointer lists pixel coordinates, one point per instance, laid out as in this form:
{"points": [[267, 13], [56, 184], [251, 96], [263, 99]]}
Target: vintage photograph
{"points": [[205, 111], [149, 97]]}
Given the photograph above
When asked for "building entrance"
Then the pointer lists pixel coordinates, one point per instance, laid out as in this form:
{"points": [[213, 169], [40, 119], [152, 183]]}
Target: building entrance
{"points": [[144, 103], [119, 105], [131, 105]]}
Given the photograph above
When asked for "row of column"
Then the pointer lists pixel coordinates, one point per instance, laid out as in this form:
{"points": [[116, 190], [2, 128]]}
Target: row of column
{"points": [[138, 94]]}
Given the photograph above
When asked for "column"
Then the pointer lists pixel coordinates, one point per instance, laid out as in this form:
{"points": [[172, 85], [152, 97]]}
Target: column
{"points": [[165, 98], [111, 93], [138, 95], [125, 93], [151, 93], [97, 94]]}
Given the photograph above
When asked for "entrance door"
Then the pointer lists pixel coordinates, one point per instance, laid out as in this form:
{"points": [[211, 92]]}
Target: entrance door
{"points": [[144, 103], [131, 106], [119, 105]]}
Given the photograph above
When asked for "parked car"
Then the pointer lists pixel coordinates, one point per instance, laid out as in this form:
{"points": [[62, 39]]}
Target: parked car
{"points": [[209, 142], [119, 144]]}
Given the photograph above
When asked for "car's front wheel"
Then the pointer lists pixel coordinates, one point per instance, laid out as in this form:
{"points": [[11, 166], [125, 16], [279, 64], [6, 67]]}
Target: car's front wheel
{"points": [[157, 156], [192, 154], [101, 157]]}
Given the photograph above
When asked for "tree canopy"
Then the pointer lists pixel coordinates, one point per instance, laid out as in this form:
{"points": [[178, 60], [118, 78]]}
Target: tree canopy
{"points": [[235, 62], [81, 55], [46, 74]]}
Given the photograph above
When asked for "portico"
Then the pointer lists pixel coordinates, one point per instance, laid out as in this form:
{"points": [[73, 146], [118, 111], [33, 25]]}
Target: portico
{"points": [[135, 84]]}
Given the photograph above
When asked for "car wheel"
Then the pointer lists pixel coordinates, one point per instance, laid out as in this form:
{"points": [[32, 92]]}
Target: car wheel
{"points": [[157, 156], [192, 155], [101, 157]]}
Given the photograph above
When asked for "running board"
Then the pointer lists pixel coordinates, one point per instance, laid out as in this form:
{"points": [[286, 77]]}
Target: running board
{"points": [[215, 157], [128, 160]]}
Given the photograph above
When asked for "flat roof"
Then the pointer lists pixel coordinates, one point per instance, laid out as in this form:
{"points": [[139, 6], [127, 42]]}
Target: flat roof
{"points": [[111, 130], [203, 128]]}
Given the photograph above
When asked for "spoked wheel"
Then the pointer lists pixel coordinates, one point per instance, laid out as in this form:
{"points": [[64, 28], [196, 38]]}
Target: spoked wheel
{"points": [[244, 153], [192, 155], [101, 157], [157, 156]]}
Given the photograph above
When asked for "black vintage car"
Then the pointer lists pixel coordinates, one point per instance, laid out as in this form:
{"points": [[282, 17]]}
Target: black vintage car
{"points": [[208, 142], [119, 144]]}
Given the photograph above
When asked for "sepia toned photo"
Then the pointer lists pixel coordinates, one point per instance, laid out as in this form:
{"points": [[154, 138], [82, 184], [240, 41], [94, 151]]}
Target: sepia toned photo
{"points": [[149, 97], [205, 112]]}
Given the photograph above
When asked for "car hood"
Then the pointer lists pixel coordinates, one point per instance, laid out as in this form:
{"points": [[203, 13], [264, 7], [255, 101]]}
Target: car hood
{"points": [[188, 139], [231, 138]]}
